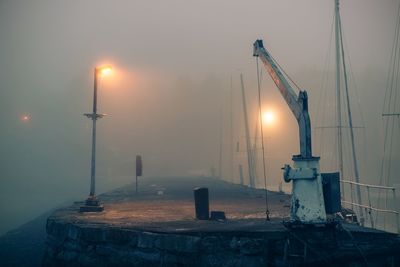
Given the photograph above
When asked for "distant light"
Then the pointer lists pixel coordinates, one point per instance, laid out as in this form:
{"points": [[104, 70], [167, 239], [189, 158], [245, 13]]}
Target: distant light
{"points": [[25, 118], [268, 117]]}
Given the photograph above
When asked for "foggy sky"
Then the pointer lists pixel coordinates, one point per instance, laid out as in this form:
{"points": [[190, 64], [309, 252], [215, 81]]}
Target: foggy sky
{"points": [[170, 90]]}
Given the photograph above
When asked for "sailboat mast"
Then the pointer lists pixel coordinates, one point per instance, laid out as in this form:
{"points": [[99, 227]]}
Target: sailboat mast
{"points": [[338, 98], [220, 144], [231, 133], [353, 146], [248, 143], [340, 60]]}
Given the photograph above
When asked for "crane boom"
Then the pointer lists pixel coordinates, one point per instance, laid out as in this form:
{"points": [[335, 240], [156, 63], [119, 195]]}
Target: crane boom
{"points": [[307, 202], [297, 104]]}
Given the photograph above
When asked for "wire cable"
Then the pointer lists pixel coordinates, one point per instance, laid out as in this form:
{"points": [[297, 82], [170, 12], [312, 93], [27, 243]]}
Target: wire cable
{"points": [[350, 122], [355, 244], [284, 72], [262, 142]]}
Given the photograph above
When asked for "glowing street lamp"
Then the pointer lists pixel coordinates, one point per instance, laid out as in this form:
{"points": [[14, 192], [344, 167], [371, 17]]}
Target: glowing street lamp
{"points": [[106, 70], [92, 204], [268, 118], [25, 118]]}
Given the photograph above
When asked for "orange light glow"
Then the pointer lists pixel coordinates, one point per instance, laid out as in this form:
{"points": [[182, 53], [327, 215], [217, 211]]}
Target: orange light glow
{"points": [[25, 118], [268, 117], [105, 70]]}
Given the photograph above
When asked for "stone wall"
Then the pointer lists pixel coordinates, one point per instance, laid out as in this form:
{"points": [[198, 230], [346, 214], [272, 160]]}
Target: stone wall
{"points": [[100, 245]]}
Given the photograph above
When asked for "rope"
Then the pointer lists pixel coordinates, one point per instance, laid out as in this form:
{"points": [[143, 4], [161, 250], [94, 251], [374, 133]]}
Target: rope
{"points": [[262, 141], [350, 122], [326, 258], [284, 72], [355, 244], [330, 160]]}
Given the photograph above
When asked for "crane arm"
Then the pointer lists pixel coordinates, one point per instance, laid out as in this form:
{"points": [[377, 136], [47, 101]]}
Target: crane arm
{"points": [[297, 104]]}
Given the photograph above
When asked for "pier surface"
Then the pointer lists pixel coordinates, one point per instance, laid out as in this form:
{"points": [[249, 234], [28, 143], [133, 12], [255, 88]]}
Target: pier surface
{"points": [[167, 205], [157, 227]]}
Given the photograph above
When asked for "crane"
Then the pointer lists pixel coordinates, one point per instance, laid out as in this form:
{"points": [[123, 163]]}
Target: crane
{"points": [[307, 203]]}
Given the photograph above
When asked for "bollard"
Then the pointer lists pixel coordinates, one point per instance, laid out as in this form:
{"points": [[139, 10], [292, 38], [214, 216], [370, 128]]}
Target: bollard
{"points": [[217, 216], [201, 203]]}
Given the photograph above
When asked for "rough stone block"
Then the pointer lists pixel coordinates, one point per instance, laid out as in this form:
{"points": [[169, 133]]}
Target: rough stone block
{"points": [[120, 236], [150, 257], [250, 246], [219, 259], [73, 231], [69, 255], [56, 229], [105, 250], [174, 260], [133, 243], [148, 240], [92, 234], [71, 245], [86, 260], [235, 243], [179, 243], [210, 244], [245, 261]]}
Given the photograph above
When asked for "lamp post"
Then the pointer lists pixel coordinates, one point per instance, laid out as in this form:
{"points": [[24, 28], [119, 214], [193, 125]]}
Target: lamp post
{"points": [[92, 204]]}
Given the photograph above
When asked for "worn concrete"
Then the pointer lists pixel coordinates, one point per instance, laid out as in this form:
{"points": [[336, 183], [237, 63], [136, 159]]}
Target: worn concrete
{"points": [[157, 228]]}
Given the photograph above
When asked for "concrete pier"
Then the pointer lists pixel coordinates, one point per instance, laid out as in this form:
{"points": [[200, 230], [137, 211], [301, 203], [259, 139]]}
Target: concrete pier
{"points": [[157, 227]]}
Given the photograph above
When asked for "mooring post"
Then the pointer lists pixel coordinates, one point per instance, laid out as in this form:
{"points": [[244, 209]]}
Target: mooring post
{"points": [[201, 203], [139, 169]]}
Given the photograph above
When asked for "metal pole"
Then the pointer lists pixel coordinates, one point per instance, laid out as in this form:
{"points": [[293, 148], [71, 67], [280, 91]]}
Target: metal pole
{"points": [[338, 97], [231, 134], [136, 184], [94, 118], [92, 204], [241, 174], [353, 146], [220, 145], [369, 210], [248, 143], [351, 197], [395, 208], [262, 142]]}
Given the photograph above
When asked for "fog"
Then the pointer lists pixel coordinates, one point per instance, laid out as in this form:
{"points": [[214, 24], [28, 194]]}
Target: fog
{"points": [[170, 95]]}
